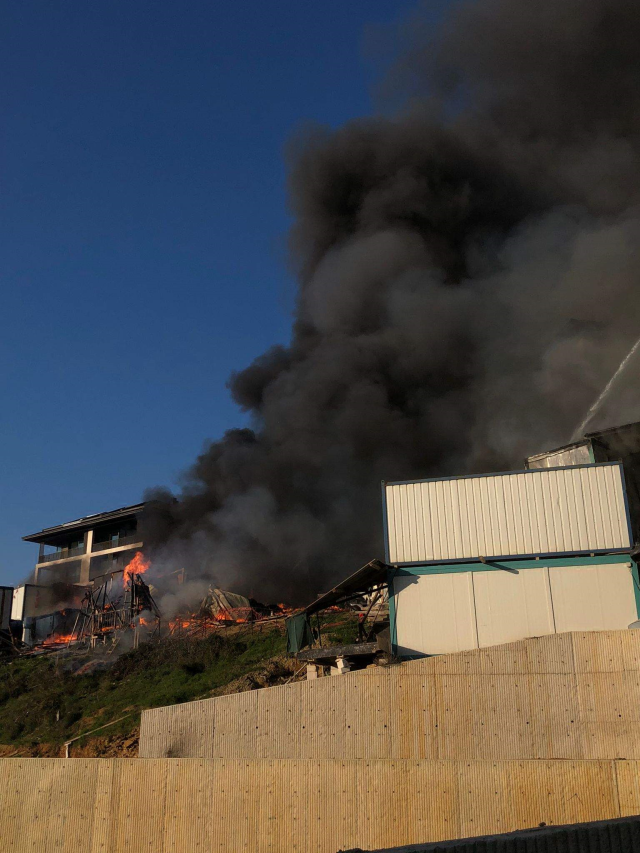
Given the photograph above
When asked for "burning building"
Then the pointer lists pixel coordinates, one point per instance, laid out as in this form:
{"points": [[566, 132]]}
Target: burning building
{"points": [[90, 584], [85, 549], [75, 558]]}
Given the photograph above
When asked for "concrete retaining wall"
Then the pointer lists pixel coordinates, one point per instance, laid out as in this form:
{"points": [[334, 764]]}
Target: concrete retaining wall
{"points": [[188, 805], [570, 696]]}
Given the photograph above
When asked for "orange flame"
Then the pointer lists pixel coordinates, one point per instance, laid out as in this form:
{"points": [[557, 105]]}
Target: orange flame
{"points": [[59, 638], [137, 566]]}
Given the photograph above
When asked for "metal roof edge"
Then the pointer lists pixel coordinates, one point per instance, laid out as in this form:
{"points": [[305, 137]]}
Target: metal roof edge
{"points": [[373, 572], [580, 442], [501, 473], [85, 521]]}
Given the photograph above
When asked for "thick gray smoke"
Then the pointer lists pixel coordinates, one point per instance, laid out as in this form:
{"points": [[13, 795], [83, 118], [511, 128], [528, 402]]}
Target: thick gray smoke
{"points": [[468, 281]]}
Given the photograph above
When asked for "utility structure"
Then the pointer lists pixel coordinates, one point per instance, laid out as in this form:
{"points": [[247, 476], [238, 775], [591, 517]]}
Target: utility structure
{"points": [[477, 561]]}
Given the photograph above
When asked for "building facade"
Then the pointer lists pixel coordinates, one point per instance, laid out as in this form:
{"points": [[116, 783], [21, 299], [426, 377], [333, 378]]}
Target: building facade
{"points": [[84, 550]]}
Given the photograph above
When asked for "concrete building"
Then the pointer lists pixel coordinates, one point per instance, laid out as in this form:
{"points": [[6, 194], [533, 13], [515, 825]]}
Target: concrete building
{"points": [[80, 551]]}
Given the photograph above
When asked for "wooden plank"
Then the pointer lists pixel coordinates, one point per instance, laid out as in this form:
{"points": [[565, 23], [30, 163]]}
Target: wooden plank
{"points": [[353, 650]]}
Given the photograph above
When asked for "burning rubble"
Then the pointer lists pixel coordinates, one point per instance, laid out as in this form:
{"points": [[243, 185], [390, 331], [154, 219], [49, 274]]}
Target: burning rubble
{"points": [[122, 609]]}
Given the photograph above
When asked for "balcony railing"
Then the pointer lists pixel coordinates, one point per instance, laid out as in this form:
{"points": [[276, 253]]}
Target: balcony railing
{"points": [[62, 554], [116, 542]]}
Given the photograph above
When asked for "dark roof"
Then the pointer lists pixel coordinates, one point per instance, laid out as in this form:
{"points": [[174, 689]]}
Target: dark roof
{"points": [[85, 523], [370, 575], [619, 835], [598, 432]]}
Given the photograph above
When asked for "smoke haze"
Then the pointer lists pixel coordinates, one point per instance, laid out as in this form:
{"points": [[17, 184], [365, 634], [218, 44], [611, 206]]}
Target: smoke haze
{"points": [[468, 281]]}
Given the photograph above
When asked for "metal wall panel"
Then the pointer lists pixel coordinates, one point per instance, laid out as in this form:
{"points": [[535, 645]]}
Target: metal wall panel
{"points": [[273, 806], [454, 611], [593, 598], [561, 696], [580, 454], [555, 511], [435, 612], [509, 606], [618, 835]]}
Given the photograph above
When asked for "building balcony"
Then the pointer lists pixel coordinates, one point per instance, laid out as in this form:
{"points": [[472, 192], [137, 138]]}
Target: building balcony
{"points": [[62, 554], [116, 542]]}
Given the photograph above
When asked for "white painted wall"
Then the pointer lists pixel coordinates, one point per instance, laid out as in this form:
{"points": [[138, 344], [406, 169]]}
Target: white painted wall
{"points": [[510, 607], [557, 511], [456, 611], [592, 598], [435, 612]]}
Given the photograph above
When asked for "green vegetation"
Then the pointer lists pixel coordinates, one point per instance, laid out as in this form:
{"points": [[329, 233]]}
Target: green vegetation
{"points": [[51, 699], [41, 701], [338, 629]]}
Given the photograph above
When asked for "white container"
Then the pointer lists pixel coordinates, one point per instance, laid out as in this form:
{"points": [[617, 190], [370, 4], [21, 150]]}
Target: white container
{"points": [[569, 510]]}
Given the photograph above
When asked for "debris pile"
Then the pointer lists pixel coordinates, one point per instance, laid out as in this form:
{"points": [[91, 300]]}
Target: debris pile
{"points": [[122, 610]]}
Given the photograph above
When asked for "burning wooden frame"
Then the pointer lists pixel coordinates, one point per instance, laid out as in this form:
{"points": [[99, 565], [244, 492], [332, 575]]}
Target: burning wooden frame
{"points": [[119, 604]]}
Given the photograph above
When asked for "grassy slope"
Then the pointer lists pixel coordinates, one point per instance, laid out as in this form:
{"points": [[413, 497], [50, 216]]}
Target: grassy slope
{"points": [[43, 703]]}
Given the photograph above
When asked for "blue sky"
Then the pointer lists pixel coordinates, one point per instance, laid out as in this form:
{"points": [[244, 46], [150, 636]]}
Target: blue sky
{"points": [[143, 229]]}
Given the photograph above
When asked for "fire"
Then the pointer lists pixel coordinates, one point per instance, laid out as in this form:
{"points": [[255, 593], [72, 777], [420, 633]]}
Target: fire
{"points": [[177, 624], [137, 566], [58, 639]]}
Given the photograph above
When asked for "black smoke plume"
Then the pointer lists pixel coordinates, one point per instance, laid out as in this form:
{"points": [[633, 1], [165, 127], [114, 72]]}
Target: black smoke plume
{"points": [[469, 275]]}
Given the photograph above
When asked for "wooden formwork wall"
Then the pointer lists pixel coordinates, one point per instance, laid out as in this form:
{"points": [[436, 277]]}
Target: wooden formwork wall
{"points": [[185, 805], [569, 696]]}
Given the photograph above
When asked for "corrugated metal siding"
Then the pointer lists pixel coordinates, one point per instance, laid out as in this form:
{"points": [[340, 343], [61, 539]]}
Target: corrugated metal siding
{"points": [[566, 510], [563, 696], [273, 806], [620, 835]]}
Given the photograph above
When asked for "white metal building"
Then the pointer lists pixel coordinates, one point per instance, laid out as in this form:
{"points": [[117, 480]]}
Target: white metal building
{"points": [[483, 560]]}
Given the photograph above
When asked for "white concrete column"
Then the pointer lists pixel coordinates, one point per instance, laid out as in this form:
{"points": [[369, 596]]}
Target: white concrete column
{"points": [[86, 559]]}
